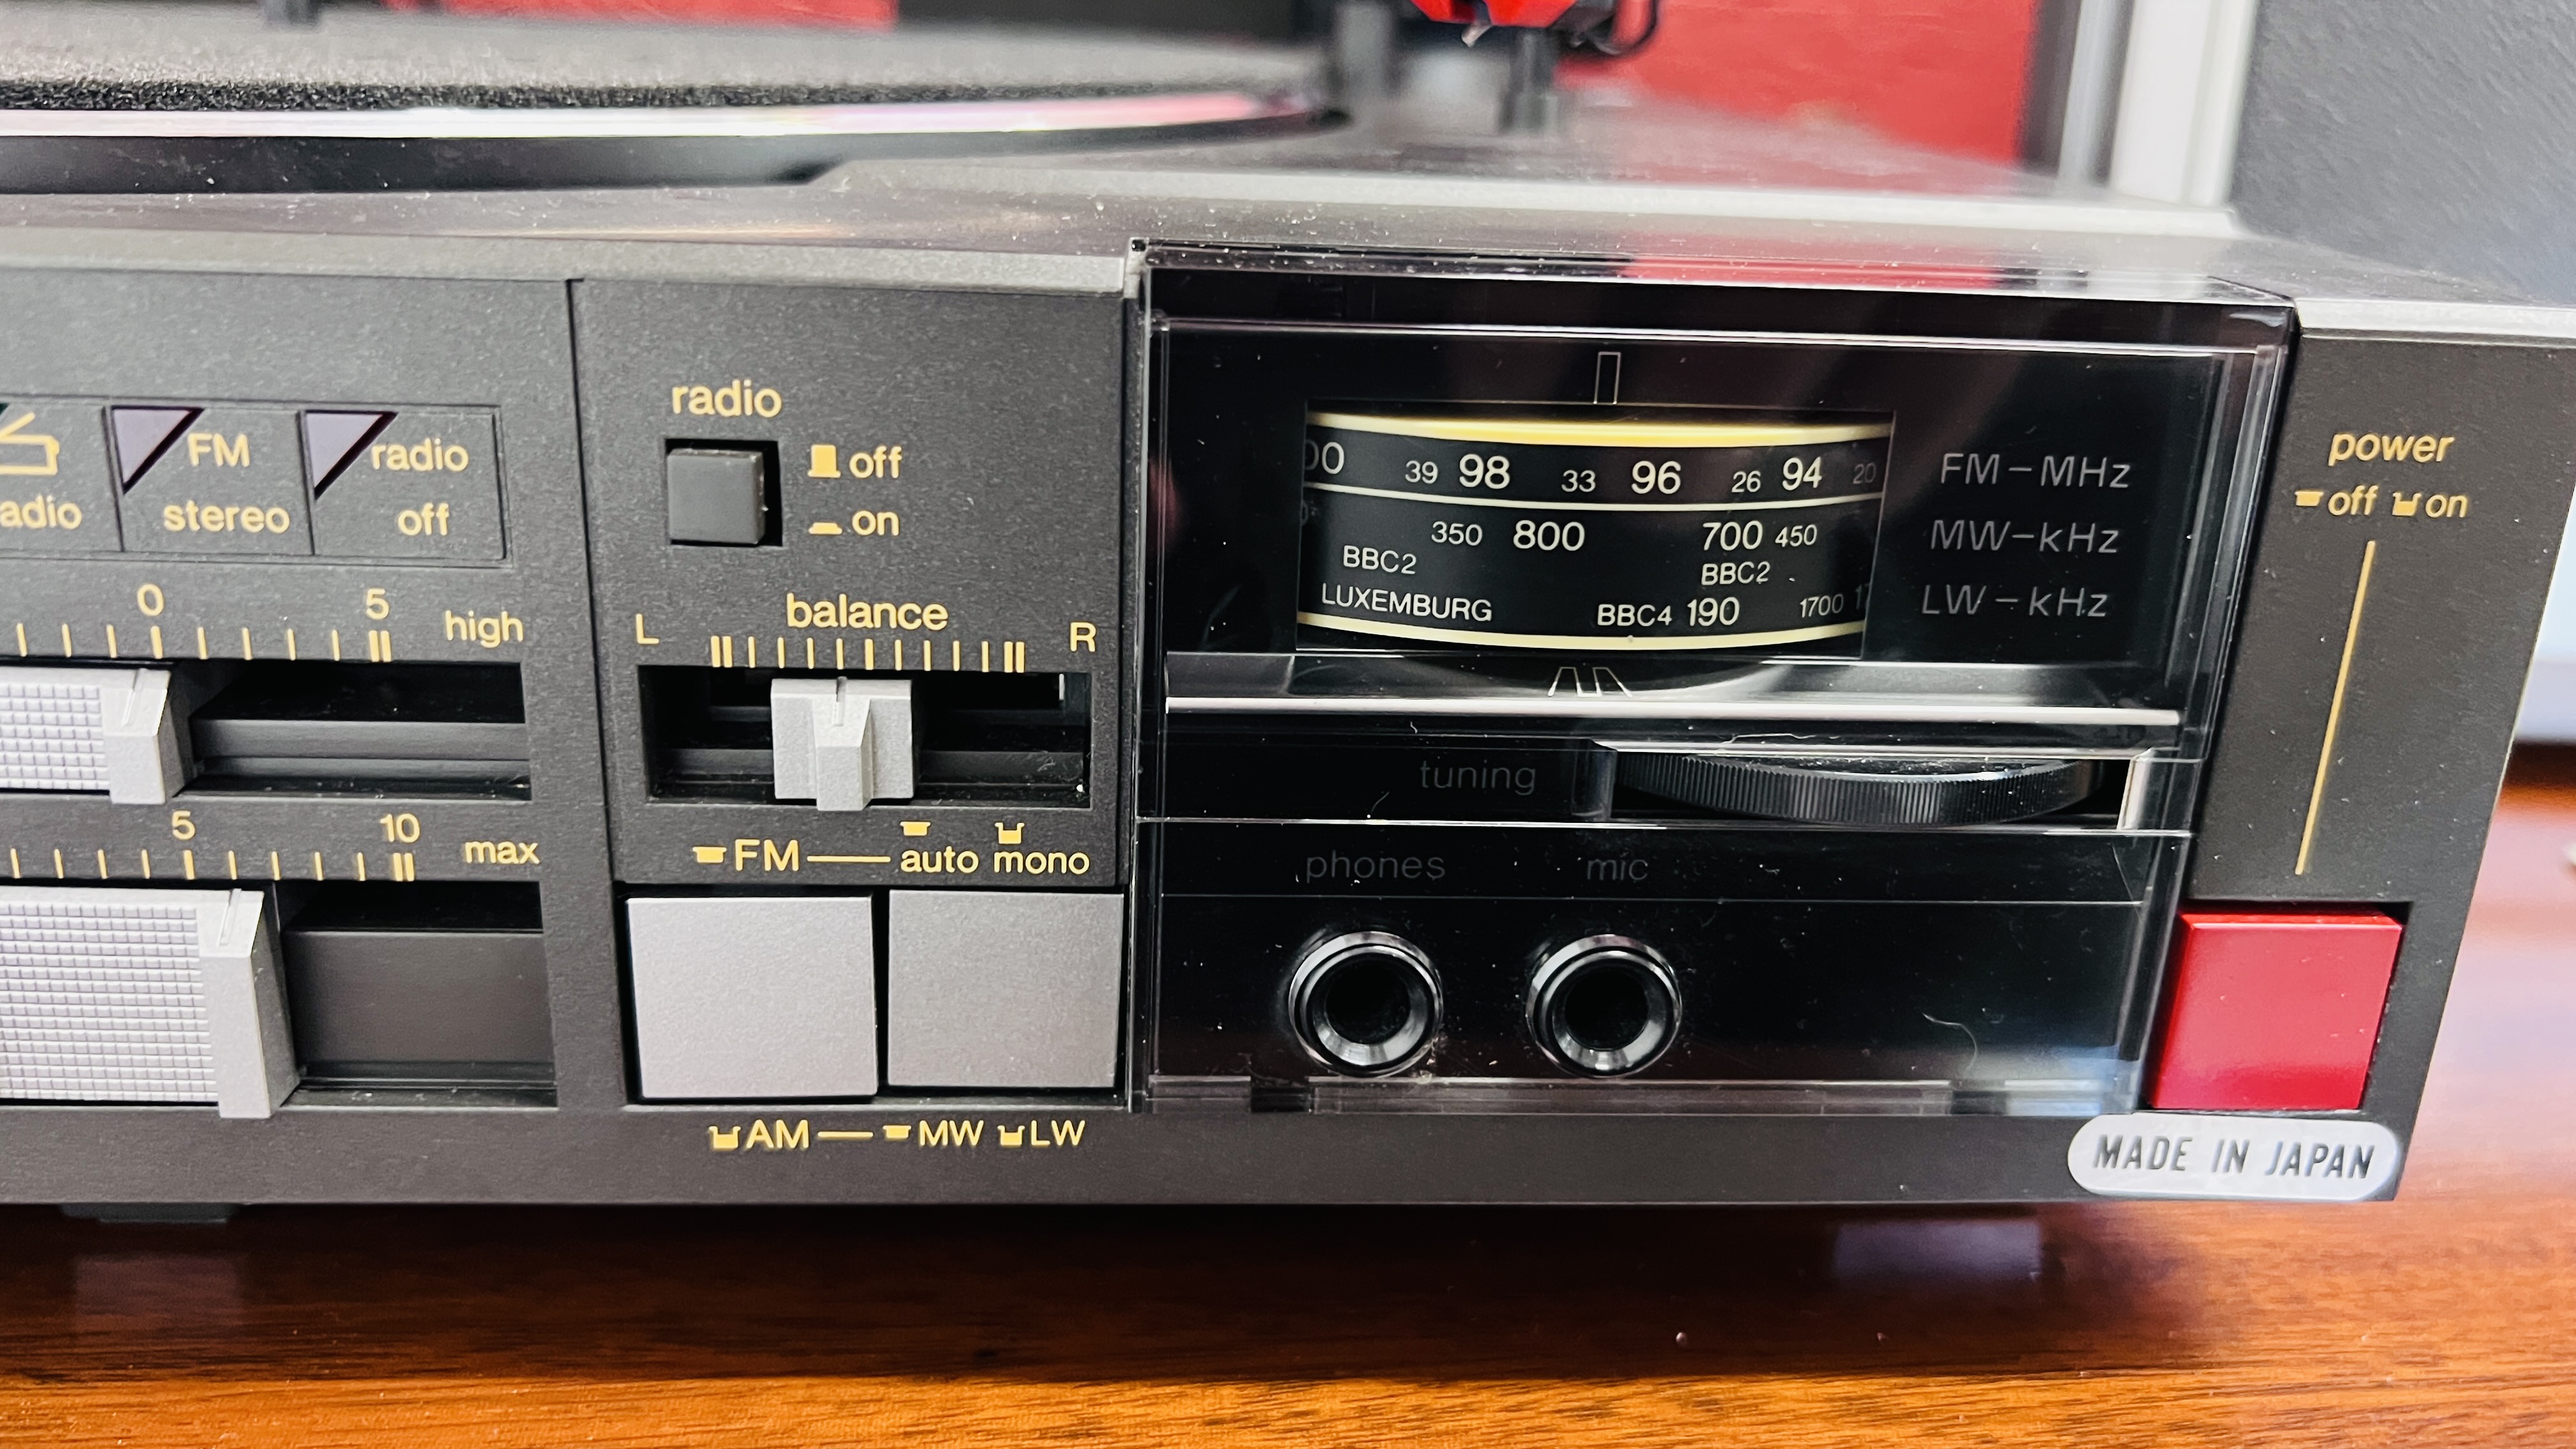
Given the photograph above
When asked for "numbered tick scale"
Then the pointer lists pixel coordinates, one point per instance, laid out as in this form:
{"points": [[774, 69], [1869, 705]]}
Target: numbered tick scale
{"points": [[1636, 529]]}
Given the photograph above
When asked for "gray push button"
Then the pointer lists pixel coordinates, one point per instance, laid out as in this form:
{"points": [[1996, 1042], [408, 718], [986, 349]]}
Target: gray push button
{"points": [[55, 492], [841, 743], [411, 484], [212, 480], [717, 495], [770, 997], [1002, 989]]}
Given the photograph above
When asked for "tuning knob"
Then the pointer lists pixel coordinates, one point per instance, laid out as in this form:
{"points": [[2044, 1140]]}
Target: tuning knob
{"points": [[1863, 789]]}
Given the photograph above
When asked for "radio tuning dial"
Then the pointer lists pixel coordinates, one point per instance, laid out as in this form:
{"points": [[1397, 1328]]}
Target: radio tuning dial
{"points": [[1525, 526], [1863, 789]]}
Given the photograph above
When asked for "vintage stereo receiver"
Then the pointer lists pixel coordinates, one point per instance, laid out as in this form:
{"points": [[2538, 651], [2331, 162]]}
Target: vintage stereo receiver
{"points": [[1157, 644]]}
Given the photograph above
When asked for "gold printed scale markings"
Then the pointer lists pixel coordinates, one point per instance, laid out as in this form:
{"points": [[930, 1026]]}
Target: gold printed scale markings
{"points": [[761, 855], [828, 461], [825, 460], [2363, 500], [777, 1134], [142, 864], [866, 523], [72, 641], [734, 397], [2386, 450], [31, 455], [779, 651], [2334, 710], [771, 856], [749, 853]]}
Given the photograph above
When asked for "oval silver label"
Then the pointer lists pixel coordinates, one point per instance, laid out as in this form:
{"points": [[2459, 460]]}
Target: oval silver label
{"points": [[2183, 1154]]}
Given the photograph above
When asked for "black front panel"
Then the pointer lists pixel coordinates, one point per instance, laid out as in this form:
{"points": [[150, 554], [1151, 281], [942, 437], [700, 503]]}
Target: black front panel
{"points": [[2369, 759], [1959, 993], [485, 607], [362, 569], [2389, 629], [1453, 617], [936, 514], [1941, 970]]}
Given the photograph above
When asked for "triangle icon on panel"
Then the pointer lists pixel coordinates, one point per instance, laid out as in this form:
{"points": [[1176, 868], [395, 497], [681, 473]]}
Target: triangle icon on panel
{"points": [[143, 435], [332, 441]]}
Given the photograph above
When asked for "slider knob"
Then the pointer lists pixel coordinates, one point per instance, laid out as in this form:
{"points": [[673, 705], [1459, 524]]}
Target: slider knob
{"points": [[114, 732], [841, 743], [1863, 789]]}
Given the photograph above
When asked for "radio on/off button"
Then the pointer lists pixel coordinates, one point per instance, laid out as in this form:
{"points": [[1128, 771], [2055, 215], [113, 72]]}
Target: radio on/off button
{"points": [[414, 483]]}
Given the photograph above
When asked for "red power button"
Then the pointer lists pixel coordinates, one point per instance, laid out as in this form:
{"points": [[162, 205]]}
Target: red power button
{"points": [[2273, 1011]]}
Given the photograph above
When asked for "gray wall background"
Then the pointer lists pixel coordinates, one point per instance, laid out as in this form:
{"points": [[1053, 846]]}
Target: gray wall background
{"points": [[2440, 134]]}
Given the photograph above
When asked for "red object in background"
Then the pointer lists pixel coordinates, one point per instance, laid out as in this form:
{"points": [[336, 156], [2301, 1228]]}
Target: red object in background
{"points": [[859, 14], [1501, 12], [2274, 1011], [1945, 74]]}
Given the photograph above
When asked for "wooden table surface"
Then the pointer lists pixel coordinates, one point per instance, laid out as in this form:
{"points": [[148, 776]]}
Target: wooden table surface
{"points": [[2446, 1317]]}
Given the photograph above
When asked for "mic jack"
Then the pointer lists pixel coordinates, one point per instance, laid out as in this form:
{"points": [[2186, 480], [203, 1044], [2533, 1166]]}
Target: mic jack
{"points": [[1604, 1006], [1365, 1004]]}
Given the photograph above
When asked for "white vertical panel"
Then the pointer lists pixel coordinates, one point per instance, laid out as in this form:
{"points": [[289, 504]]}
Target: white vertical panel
{"points": [[2092, 88], [2182, 93], [2549, 700]]}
